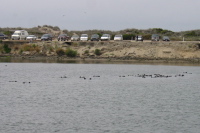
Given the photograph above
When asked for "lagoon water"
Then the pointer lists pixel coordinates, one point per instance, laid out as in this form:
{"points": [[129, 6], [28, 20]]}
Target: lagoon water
{"points": [[55, 98]]}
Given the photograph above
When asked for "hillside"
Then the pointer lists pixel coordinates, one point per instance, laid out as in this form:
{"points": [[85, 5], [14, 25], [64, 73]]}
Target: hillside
{"points": [[193, 35]]}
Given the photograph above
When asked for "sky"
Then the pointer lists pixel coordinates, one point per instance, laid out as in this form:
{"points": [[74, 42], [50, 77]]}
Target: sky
{"points": [[114, 15]]}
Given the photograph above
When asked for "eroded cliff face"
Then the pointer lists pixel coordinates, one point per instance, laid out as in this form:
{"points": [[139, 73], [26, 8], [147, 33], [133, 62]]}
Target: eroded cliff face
{"points": [[113, 49]]}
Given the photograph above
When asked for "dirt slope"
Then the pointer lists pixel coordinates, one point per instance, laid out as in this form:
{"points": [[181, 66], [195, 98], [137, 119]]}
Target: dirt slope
{"points": [[129, 50]]}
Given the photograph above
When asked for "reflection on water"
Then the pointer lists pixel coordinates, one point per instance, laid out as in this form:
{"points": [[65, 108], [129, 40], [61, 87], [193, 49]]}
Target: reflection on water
{"points": [[111, 98], [93, 61]]}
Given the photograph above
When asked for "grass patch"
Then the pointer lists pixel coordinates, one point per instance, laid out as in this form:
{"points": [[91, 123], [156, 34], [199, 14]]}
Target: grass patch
{"points": [[37, 49], [27, 47], [71, 53], [50, 48], [75, 44], [97, 52]]}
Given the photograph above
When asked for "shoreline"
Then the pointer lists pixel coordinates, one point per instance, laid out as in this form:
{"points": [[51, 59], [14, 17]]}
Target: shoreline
{"points": [[33, 59], [111, 51]]}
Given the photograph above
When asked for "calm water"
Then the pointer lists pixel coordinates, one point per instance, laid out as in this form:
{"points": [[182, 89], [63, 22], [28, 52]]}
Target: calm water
{"points": [[52, 98]]}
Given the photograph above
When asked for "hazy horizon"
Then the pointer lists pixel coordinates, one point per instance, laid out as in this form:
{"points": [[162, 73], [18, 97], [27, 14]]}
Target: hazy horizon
{"points": [[113, 15]]}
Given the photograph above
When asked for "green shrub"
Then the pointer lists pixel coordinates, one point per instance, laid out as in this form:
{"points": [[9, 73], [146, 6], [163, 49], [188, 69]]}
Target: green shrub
{"points": [[71, 53], [86, 52], [1, 41], [97, 52], [147, 37], [6, 48], [60, 52], [112, 37], [1, 49], [128, 36], [56, 28], [191, 33], [34, 46], [8, 33], [21, 51], [176, 39]]}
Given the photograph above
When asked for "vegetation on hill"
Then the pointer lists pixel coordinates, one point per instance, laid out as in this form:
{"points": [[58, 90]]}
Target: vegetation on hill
{"points": [[193, 35]]}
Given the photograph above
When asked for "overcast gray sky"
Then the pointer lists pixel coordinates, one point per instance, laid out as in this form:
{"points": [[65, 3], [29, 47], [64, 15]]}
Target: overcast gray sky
{"points": [[175, 15]]}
